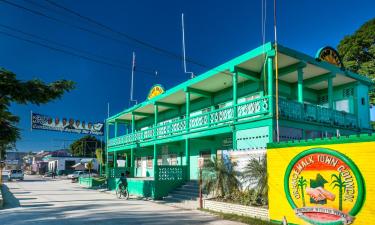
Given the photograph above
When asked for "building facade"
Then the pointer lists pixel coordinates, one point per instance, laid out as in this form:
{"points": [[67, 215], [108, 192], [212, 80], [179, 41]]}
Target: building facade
{"points": [[237, 107]]}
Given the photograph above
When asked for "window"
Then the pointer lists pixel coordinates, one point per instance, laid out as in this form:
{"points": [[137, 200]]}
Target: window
{"points": [[149, 162], [139, 162], [343, 105], [172, 159]]}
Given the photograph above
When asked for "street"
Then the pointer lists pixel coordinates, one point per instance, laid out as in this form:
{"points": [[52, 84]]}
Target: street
{"points": [[45, 201]]}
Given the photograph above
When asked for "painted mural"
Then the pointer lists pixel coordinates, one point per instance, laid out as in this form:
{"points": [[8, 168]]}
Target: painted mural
{"points": [[324, 186], [322, 182]]}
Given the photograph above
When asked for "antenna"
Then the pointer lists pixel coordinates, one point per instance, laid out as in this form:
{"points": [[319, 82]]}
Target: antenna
{"points": [[132, 81], [183, 46]]}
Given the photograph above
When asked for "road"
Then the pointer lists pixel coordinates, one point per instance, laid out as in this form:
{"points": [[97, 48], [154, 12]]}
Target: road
{"points": [[45, 201]]}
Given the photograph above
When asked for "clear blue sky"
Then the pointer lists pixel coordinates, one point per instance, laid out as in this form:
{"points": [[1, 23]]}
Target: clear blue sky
{"points": [[216, 31]]}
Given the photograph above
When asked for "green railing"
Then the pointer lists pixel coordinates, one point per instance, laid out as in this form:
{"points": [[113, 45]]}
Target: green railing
{"points": [[116, 172], [209, 120], [293, 110], [171, 173]]}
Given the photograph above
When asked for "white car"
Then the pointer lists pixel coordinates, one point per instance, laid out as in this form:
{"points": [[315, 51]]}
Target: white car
{"points": [[15, 175], [77, 174]]}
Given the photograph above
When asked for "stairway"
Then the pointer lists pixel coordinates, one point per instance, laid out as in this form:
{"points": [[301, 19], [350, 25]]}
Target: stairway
{"points": [[185, 196]]}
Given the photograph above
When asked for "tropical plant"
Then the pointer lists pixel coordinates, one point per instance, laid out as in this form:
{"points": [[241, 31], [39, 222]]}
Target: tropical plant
{"points": [[90, 166], [358, 51], [33, 91], [220, 179], [255, 175], [302, 183], [340, 184], [85, 146]]}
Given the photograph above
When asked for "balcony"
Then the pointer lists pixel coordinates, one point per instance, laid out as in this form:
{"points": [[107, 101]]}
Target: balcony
{"points": [[303, 112], [248, 110]]}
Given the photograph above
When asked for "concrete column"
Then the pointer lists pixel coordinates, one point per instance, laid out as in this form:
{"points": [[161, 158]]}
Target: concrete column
{"points": [[155, 163], [156, 112], [116, 128], [270, 83], [187, 95], [132, 157], [133, 123], [300, 85], [330, 93], [235, 97], [187, 158]]}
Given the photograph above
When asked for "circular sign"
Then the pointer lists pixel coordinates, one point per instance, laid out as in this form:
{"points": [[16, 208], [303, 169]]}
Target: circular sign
{"points": [[329, 55], [324, 187]]}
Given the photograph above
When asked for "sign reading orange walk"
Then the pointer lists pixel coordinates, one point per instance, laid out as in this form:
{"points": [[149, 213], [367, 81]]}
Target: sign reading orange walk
{"points": [[323, 182]]}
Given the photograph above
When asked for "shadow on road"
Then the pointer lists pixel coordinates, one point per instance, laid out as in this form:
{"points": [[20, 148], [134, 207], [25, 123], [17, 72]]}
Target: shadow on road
{"points": [[10, 201]]}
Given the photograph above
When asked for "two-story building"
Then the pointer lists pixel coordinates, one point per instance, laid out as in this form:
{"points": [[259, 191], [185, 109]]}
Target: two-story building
{"points": [[238, 106]]}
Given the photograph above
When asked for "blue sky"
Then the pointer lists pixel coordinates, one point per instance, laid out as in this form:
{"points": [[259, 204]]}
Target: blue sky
{"points": [[216, 31]]}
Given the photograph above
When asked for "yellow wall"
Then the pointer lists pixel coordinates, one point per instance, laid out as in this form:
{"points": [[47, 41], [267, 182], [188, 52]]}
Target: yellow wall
{"points": [[361, 153]]}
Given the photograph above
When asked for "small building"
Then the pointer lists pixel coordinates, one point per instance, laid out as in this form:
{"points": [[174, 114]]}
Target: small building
{"points": [[64, 165], [237, 107]]}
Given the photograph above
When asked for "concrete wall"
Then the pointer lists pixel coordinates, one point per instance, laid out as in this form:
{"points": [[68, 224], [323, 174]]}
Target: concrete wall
{"points": [[242, 210]]}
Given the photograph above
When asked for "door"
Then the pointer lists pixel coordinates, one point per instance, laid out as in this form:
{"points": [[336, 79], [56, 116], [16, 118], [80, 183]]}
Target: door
{"points": [[144, 166]]}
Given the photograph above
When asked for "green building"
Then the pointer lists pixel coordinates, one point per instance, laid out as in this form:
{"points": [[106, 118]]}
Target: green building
{"points": [[237, 106]]}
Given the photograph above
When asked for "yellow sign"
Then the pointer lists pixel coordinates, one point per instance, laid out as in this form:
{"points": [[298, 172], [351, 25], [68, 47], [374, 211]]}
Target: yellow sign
{"points": [[155, 91], [329, 55], [322, 184]]}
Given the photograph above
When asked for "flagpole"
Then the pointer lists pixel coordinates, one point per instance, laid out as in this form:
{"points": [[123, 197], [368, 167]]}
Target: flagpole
{"points": [[132, 81]]}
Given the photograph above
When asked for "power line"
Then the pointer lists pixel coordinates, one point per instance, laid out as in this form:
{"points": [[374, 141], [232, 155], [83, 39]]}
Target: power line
{"points": [[146, 44], [143, 43], [136, 40], [68, 52], [60, 44]]}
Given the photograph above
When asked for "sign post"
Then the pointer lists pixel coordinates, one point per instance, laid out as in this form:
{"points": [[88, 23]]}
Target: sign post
{"points": [[200, 165]]}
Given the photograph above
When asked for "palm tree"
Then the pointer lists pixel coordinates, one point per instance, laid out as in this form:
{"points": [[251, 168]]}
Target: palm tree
{"points": [[338, 182], [219, 178], [302, 183], [255, 174]]}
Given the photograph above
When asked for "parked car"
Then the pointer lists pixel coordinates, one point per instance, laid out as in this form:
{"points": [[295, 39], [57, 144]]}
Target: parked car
{"points": [[15, 175], [77, 174]]}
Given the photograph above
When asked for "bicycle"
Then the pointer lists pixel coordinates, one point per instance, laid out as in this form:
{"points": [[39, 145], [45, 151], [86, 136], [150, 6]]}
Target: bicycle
{"points": [[122, 191]]}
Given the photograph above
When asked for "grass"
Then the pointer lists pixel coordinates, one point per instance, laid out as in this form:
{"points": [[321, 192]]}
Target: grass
{"points": [[238, 218]]}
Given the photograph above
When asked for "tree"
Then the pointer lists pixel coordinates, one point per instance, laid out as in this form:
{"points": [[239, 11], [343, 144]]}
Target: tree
{"points": [[341, 185], [33, 91], [302, 183], [86, 146], [358, 51], [255, 174], [220, 179]]}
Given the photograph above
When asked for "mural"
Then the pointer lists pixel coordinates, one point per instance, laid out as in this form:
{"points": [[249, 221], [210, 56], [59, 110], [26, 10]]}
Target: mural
{"points": [[324, 186]]}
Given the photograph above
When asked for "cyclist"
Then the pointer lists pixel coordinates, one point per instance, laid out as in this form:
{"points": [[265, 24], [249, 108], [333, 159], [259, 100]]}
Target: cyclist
{"points": [[122, 184]]}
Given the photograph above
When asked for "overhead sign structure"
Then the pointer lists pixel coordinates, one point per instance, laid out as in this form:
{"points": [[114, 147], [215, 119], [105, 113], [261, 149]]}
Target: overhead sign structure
{"points": [[155, 91], [43, 122], [330, 55]]}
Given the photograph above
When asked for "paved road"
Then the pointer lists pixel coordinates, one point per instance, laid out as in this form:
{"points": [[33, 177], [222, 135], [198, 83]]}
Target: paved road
{"points": [[44, 201]]}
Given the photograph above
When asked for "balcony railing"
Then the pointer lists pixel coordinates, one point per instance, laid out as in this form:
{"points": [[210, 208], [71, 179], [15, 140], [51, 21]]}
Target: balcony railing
{"points": [[293, 110], [213, 119], [248, 110]]}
